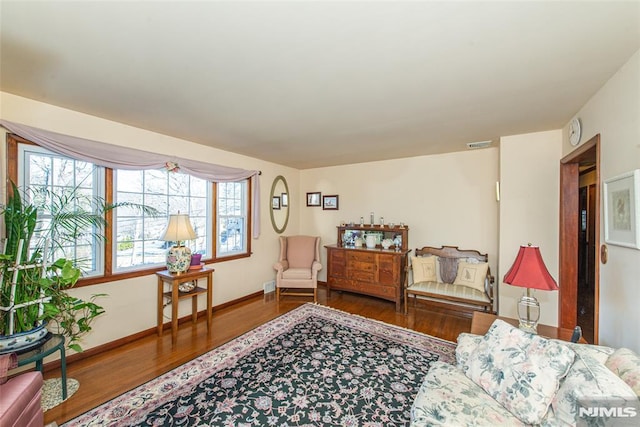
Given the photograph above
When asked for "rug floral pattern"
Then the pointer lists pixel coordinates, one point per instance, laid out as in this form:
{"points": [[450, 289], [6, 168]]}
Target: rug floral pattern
{"points": [[310, 367]]}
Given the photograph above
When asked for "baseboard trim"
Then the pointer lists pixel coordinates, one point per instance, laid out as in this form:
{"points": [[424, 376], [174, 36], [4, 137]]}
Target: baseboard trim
{"points": [[151, 331]]}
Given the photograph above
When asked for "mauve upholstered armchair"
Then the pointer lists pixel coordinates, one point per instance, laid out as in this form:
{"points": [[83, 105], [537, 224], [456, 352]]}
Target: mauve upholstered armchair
{"points": [[298, 266], [19, 396]]}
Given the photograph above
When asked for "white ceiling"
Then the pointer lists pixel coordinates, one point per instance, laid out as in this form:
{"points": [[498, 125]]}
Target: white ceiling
{"points": [[312, 84]]}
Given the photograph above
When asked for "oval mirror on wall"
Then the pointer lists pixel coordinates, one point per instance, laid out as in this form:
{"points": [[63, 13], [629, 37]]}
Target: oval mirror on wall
{"points": [[279, 204]]}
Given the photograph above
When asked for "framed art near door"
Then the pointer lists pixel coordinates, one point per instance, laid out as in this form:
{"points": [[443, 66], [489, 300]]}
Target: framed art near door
{"points": [[622, 210]]}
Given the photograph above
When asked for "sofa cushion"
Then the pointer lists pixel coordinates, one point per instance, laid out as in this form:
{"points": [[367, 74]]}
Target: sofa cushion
{"points": [[458, 291], [626, 365], [599, 352], [467, 344], [447, 397], [472, 275], [589, 380], [520, 370], [424, 269]]}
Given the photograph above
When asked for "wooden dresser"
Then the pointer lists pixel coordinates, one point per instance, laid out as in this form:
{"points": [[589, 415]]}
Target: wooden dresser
{"points": [[377, 272]]}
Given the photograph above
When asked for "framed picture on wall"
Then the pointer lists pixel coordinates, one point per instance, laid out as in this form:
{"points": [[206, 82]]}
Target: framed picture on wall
{"points": [[284, 200], [622, 210], [330, 202], [313, 199]]}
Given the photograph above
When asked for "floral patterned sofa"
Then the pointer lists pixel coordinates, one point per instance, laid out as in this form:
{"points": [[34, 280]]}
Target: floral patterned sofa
{"points": [[510, 377]]}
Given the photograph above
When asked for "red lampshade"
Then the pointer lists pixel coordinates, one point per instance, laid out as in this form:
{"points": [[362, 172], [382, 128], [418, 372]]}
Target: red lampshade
{"points": [[529, 271]]}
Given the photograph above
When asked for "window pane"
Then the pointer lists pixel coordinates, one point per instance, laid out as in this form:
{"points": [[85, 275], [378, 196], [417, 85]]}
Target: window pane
{"points": [[129, 181], [137, 234], [232, 217], [63, 188]]}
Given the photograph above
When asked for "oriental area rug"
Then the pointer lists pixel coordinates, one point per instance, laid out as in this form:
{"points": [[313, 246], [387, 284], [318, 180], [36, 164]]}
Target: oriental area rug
{"points": [[313, 366]]}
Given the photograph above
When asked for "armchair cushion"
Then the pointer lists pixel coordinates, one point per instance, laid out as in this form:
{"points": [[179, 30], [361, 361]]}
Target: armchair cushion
{"points": [[297, 274], [20, 396], [300, 251]]}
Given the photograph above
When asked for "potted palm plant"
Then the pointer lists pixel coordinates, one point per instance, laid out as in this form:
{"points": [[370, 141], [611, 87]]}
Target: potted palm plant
{"points": [[34, 286]]}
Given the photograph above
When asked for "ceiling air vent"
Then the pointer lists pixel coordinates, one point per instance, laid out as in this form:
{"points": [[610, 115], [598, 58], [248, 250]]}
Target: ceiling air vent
{"points": [[476, 145]]}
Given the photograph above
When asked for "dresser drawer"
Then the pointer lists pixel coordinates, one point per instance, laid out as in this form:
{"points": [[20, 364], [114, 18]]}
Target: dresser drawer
{"points": [[361, 257], [367, 275]]}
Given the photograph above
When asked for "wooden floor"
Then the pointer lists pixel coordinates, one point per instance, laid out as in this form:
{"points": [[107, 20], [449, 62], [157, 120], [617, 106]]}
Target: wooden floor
{"points": [[107, 375]]}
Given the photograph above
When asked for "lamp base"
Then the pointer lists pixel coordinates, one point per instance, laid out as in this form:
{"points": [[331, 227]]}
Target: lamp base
{"points": [[178, 259], [528, 313]]}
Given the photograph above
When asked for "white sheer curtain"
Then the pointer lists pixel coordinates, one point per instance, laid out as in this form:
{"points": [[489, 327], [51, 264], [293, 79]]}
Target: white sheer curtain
{"points": [[117, 157]]}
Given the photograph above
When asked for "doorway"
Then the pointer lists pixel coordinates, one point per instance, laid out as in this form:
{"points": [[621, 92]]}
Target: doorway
{"points": [[580, 239]]}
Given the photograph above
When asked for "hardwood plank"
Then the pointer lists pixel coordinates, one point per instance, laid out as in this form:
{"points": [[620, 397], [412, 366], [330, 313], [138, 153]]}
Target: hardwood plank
{"points": [[108, 374]]}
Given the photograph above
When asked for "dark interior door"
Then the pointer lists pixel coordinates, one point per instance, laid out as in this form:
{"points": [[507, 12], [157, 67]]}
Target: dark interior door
{"points": [[586, 261]]}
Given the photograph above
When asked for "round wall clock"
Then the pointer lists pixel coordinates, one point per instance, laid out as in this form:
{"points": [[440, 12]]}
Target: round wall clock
{"points": [[574, 131]]}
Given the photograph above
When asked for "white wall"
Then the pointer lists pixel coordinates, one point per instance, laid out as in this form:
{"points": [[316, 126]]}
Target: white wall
{"points": [[529, 200], [614, 113], [131, 304], [446, 199]]}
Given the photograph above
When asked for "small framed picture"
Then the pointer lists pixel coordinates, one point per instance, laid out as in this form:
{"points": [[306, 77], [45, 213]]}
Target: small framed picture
{"points": [[622, 210], [330, 202], [284, 199], [313, 199], [275, 203]]}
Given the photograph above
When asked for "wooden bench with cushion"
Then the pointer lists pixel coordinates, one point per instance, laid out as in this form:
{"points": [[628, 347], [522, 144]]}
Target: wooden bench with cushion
{"points": [[450, 276]]}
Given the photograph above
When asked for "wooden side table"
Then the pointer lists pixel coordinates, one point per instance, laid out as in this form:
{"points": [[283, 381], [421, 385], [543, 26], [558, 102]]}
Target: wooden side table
{"points": [[481, 322], [175, 295]]}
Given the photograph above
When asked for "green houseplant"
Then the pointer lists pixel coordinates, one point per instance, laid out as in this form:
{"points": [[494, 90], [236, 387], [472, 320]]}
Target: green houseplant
{"points": [[42, 283]]}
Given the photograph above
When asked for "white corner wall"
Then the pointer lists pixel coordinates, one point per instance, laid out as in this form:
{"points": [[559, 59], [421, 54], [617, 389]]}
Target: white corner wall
{"points": [[445, 199], [614, 113], [529, 213], [131, 304]]}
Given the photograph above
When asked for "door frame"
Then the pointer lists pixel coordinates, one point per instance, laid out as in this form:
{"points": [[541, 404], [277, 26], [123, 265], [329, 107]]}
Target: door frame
{"points": [[588, 152]]}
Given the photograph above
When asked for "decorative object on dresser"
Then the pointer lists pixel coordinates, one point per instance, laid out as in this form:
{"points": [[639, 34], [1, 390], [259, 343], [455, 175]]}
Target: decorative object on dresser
{"points": [[528, 271], [372, 270], [298, 266], [178, 230], [457, 278]]}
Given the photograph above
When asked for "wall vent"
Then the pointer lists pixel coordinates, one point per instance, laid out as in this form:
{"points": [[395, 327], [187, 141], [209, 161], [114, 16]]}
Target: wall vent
{"points": [[269, 286], [479, 144]]}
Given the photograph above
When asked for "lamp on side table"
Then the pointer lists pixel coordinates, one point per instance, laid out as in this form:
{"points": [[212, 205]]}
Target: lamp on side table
{"points": [[529, 271]]}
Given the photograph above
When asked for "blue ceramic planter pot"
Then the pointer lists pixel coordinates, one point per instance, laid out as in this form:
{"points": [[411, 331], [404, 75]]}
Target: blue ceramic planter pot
{"points": [[19, 341]]}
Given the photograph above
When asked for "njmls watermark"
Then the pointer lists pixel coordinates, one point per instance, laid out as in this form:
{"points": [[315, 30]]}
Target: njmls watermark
{"points": [[609, 412]]}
